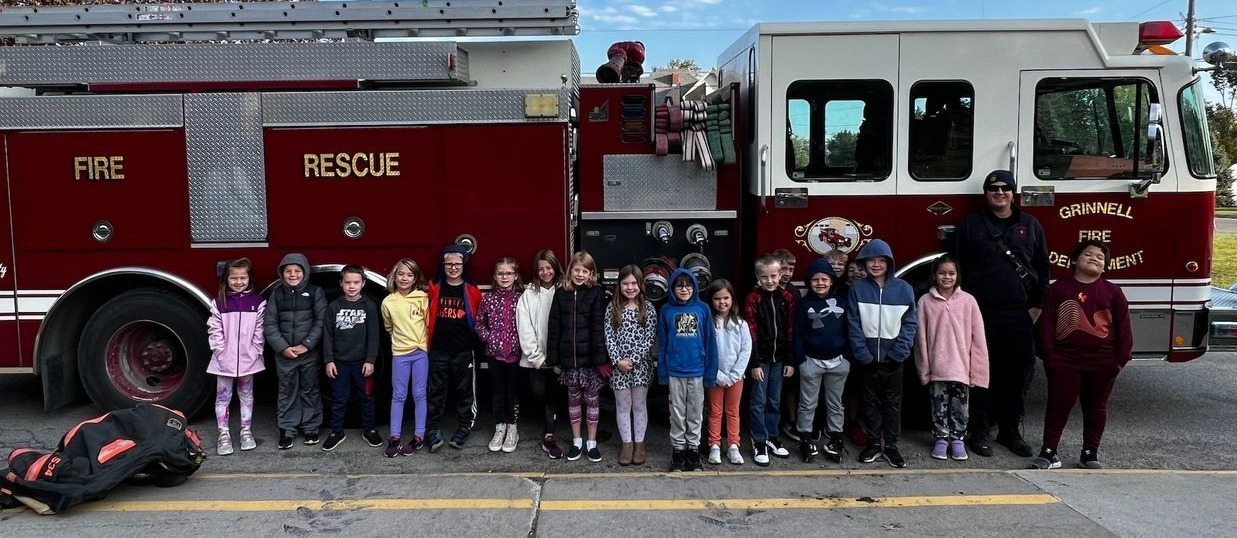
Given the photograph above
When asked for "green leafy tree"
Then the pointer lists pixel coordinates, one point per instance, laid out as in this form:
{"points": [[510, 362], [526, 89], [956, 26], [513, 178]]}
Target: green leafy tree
{"points": [[688, 66], [1223, 123], [840, 149]]}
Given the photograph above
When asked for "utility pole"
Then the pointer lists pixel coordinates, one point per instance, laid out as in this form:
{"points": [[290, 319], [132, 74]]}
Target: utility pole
{"points": [[1189, 30]]}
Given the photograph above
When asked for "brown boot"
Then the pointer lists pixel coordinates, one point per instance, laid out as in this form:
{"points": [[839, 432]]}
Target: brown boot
{"points": [[625, 454], [638, 455]]}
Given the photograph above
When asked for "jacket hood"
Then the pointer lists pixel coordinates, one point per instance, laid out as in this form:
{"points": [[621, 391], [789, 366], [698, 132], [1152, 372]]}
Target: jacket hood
{"points": [[294, 258], [453, 248], [695, 286], [877, 248], [821, 265]]}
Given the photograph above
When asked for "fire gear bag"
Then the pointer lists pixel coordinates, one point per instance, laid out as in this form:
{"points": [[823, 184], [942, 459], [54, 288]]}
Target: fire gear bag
{"points": [[148, 444]]}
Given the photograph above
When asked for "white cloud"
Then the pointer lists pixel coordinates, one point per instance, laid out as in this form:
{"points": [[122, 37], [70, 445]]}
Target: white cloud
{"points": [[1089, 11], [642, 11], [908, 9]]}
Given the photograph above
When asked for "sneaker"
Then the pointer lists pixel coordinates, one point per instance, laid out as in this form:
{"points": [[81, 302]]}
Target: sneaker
{"points": [[574, 452], [870, 453], [392, 447], [550, 447], [411, 447], [692, 457], [1047, 459], [940, 450], [957, 450], [285, 441], [247, 440], [894, 457], [834, 447], [776, 448], [461, 435], [1090, 459], [1015, 443], [496, 442], [715, 454], [760, 453], [224, 446], [981, 443], [678, 460], [594, 454], [791, 434], [371, 437], [512, 439], [333, 440], [807, 449], [311, 438], [434, 441], [734, 455]]}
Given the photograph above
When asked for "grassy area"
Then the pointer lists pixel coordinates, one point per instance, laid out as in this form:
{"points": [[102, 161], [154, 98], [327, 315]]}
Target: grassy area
{"points": [[1227, 212], [1224, 260]]}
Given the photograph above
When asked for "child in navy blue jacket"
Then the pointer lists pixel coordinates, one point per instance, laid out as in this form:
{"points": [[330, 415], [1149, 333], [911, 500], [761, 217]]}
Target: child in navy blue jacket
{"points": [[882, 333], [687, 361], [822, 352]]}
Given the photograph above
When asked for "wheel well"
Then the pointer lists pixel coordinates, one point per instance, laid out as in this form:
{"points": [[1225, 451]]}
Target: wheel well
{"points": [[918, 273], [55, 348]]}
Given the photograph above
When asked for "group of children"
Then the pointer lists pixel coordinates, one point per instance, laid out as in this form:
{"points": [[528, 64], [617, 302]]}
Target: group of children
{"points": [[564, 329]]}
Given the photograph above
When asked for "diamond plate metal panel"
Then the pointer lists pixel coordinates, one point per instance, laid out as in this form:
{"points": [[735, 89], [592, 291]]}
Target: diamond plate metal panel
{"points": [[227, 191], [652, 183], [404, 107], [91, 112], [228, 62]]}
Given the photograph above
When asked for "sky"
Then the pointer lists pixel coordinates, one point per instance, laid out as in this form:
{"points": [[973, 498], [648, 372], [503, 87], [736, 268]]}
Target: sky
{"points": [[701, 30]]}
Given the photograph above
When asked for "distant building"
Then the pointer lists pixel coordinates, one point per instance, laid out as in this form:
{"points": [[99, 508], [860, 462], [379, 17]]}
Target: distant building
{"points": [[692, 86]]}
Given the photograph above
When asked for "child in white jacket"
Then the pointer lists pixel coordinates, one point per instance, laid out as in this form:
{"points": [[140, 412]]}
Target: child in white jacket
{"points": [[734, 348], [532, 317], [953, 356]]}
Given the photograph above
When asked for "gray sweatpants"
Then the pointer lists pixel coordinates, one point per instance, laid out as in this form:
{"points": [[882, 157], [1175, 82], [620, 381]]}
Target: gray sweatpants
{"points": [[811, 378], [686, 412], [300, 401]]}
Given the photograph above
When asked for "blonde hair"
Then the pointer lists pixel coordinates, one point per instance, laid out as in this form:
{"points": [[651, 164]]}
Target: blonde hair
{"points": [[768, 260], [585, 259], [836, 255], [418, 277]]}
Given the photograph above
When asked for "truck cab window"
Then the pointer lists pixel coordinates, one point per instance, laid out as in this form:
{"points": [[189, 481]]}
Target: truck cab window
{"points": [[1092, 128], [942, 130], [839, 130]]}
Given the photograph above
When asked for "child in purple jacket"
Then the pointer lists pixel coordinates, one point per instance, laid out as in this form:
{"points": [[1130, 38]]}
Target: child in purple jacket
{"points": [[497, 330]]}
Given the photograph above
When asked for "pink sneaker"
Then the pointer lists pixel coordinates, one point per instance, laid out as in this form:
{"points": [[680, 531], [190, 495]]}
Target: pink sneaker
{"points": [[940, 450]]}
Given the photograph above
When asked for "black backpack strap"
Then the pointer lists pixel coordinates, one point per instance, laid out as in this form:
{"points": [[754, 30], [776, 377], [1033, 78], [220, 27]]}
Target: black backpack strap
{"points": [[1025, 274]]}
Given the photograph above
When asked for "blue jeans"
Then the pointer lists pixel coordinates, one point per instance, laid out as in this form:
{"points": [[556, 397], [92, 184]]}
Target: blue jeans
{"points": [[765, 400], [348, 379]]}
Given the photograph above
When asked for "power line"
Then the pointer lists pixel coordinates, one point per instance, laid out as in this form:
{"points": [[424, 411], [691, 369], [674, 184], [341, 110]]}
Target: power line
{"points": [[1135, 16]]}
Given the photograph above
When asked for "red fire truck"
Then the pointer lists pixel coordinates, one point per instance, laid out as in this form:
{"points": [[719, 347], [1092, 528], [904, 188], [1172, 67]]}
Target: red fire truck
{"points": [[144, 143]]}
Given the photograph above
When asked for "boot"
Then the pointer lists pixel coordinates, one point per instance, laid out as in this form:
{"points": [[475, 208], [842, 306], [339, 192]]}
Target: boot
{"points": [[625, 454], [638, 454], [678, 459]]}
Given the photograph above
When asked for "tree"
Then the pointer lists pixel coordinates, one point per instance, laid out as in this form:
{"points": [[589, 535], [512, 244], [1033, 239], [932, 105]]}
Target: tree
{"points": [[688, 66], [1223, 123], [1224, 80], [840, 149]]}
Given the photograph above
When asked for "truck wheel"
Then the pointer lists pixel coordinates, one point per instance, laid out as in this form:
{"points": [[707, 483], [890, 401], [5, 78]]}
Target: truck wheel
{"points": [[146, 345]]}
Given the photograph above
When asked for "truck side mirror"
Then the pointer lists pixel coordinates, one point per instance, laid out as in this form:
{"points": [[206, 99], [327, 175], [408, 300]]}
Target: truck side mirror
{"points": [[1155, 150]]}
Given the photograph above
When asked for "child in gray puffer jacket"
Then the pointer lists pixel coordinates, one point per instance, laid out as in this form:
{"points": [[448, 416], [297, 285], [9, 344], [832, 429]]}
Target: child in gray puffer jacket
{"points": [[293, 327]]}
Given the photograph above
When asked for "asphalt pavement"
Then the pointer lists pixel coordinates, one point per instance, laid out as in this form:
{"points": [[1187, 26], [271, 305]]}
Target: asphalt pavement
{"points": [[1226, 225]]}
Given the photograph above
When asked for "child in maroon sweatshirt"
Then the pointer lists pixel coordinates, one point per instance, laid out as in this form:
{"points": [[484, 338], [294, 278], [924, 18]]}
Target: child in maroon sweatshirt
{"points": [[1085, 341]]}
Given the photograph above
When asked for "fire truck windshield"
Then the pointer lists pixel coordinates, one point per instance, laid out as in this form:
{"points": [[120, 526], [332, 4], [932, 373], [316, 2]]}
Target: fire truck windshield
{"points": [[1194, 127]]}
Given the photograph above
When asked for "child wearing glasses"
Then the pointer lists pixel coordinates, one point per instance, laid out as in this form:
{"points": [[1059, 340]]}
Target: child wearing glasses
{"points": [[454, 302], [496, 327]]}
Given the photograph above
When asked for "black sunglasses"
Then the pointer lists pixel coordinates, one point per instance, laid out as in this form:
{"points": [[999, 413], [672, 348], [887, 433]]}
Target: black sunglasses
{"points": [[1002, 188]]}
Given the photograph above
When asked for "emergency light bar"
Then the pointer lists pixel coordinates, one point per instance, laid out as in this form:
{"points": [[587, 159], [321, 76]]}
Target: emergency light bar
{"points": [[1157, 33]]}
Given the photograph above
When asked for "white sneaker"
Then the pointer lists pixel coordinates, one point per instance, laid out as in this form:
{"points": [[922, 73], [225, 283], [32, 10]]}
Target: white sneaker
{"points": [[513, 437], [224, 446], [776, 448], [715, 454], [736, 457], [247, 441], [496, 442]]}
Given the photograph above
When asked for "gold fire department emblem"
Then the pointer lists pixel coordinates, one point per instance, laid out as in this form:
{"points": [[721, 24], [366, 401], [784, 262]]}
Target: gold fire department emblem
{"points": [[833, 233]]}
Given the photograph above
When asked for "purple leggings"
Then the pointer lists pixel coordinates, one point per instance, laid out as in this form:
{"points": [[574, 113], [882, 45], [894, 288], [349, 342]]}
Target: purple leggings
{"points": [[417, 366], [223, 399]]}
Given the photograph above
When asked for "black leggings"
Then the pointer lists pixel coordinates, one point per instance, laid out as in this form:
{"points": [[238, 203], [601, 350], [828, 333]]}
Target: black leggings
{"points": [[544, 388]]}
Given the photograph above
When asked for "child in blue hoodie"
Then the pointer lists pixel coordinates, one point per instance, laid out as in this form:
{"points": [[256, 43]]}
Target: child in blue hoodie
{"points": [[822, 351], [882, 332], [687, 361]]}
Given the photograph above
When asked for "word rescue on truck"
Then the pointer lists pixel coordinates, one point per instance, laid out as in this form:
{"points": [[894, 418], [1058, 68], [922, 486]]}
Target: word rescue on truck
{"points": [[346, 165]]}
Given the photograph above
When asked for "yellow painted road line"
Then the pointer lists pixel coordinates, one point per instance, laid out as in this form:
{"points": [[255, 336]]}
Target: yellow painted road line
{"points": [[566, 506], [714, 474], [291, 506], [829, 502]]}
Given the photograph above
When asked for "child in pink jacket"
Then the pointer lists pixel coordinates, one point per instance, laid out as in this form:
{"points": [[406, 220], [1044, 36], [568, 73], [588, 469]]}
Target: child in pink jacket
{"points": [[953, 356], [235, 336]]}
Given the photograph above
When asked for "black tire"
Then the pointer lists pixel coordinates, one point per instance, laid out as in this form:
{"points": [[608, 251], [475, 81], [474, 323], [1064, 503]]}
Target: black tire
{"points": [[146, 345]]}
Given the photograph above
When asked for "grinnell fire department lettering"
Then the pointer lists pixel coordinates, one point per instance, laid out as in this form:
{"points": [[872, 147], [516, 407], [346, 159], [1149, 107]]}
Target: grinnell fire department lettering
{"points": [[99, 168], [351, 165], [348, 318]]}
